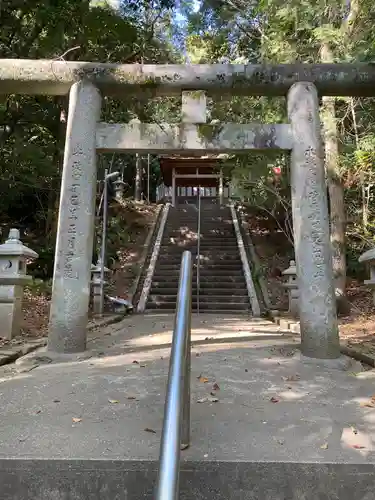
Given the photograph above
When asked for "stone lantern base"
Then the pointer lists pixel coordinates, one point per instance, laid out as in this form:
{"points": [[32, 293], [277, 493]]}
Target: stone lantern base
{"points": [[10, 310]]}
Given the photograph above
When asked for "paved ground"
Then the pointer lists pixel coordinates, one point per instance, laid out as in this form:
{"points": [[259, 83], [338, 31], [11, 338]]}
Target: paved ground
{"points": [[270, 406]]}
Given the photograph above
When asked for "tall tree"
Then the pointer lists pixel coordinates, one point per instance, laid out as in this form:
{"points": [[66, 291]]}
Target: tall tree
{"points": [[300, 31]]}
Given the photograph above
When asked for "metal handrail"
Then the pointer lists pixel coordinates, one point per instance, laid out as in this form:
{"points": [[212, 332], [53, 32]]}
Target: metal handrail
{"points": [[176, 424], [198, 247]]}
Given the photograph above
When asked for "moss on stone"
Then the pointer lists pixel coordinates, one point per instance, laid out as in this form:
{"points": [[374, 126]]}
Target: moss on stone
{"points": [[208, 131]]}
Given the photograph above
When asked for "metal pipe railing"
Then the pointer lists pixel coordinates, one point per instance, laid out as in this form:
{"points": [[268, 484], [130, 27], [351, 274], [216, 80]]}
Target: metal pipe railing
{"points": [[176, 424], [199, 248]]}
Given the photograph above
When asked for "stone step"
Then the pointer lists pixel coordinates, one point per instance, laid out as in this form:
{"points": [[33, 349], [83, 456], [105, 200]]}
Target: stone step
{"points": [[174, 233], [212, 265], [218, 269], [204, 242], [204, 250], [204, 299], [211, 306], [220, 479], [231, 277], [204, 258], [221, 287], [203, 291]]}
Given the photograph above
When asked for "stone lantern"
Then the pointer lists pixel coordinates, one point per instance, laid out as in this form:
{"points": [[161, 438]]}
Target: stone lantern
{"points": [[13, 266], [119, 187], [369, 258], [95, 284], [292, 286]]}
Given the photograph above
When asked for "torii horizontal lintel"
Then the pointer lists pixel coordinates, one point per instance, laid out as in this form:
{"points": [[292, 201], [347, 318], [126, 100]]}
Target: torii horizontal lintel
{"points": [[192, 138], [51, 77]]}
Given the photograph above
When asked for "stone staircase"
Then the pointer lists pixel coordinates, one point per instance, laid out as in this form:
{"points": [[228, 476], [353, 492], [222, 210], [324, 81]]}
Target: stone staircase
{"points": [[222, 283]]}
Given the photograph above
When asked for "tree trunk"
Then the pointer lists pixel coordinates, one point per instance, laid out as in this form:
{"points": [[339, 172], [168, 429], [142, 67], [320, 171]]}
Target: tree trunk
{"points": [[336, 191], [138, 178]]}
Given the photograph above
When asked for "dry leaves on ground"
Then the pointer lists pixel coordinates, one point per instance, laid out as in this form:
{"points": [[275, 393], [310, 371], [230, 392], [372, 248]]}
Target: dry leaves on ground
{"points": [[370, 403], [292, 378], [211, 399], [148, 429]]}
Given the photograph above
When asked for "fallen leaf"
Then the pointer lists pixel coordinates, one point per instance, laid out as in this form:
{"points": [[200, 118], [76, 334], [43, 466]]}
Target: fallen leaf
{"points": [[38, 411], [113, 401], [216, 387], [292, 378], [142, 366], [76, 420], [131, 397], [135, 362], [246, 370], [324, 446], [204, 380], [56, 401], [213, 399], [202, 400], [358, 447], [147, 429], [274, 400], [368, 404]]}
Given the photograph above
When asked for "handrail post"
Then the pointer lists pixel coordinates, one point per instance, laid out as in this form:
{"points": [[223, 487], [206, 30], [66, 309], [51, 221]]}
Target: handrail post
{"points": [[176, 424], [185, 431], [198, 247]]}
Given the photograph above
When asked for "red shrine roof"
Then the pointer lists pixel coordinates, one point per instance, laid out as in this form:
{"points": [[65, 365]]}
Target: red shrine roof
{"points": [[189, 165]]}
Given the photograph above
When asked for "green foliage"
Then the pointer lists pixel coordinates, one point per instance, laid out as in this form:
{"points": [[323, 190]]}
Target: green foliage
{"points": [[32, 128], [288, 31]]}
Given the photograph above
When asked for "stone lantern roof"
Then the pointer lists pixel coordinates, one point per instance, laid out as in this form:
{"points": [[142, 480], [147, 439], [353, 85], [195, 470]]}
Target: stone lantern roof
{"points": [[13, 246], [367, 256], [291, 269]]}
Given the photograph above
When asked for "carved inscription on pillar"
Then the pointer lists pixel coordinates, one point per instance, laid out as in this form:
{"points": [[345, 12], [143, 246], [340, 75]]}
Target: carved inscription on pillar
{"points": [[73, 201]]}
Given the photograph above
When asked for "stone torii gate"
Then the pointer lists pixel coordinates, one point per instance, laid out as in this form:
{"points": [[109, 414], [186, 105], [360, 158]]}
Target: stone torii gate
{"points": [[87, 82]]}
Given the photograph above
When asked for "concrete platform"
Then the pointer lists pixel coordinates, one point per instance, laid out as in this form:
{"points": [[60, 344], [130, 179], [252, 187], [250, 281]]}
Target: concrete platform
{"points": [[281, 429]]}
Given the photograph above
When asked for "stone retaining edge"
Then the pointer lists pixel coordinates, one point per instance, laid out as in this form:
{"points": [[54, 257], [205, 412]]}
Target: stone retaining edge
{"points": [[294, 326], [11, 352], [145, 250]]}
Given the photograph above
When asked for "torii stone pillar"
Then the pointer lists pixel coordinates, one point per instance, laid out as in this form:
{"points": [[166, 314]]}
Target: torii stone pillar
{"points": [[317, 304], [75, 230]]}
